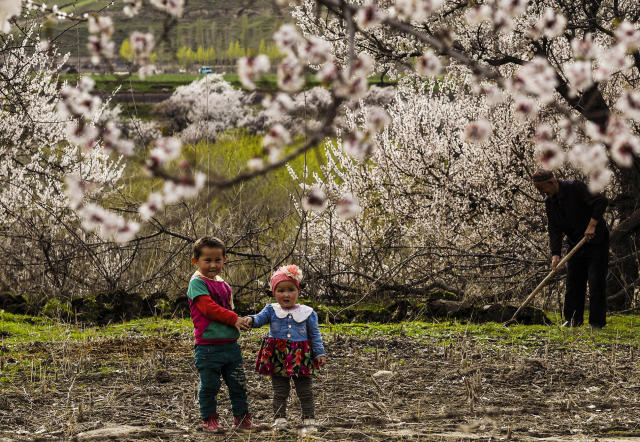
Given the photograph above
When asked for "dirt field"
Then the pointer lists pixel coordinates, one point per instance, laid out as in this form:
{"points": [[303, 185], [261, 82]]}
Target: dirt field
{"points": [[144, 388]]}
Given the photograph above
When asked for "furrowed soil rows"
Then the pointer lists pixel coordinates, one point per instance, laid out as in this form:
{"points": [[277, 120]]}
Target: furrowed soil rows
{"points": [[144, 388]]}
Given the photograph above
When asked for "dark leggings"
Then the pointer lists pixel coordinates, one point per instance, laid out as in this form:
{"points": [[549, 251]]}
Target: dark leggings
{"points": [[281, 388]]}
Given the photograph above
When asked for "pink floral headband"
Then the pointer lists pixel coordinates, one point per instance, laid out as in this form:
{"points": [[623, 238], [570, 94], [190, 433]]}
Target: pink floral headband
{"points": [[286, 273]]}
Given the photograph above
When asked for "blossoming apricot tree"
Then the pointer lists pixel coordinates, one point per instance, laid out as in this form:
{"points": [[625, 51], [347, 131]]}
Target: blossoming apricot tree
{"points": [[570, 68]]}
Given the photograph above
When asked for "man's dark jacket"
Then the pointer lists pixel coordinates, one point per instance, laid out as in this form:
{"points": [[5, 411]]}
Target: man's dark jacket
{"points": [[569, 212]]}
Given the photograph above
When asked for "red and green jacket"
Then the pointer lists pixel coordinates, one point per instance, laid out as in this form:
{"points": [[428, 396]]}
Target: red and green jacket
{"points": [[211, 304]]}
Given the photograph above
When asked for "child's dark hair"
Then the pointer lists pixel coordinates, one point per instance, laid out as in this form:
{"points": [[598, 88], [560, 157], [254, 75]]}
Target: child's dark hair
{"points": [[208, 241]]}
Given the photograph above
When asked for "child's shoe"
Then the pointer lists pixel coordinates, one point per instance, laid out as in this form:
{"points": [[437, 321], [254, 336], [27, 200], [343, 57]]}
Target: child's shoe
{"points": [[280, 424], [212, 424], [309, 425], [243, 422]]}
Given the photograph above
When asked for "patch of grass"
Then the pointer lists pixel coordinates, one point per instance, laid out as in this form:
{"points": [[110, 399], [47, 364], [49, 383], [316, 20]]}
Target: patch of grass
{"points": [[620, 331]]}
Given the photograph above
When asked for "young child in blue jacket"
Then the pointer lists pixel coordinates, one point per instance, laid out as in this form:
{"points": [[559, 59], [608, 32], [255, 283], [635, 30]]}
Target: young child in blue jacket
{"points": [[293, 348]]}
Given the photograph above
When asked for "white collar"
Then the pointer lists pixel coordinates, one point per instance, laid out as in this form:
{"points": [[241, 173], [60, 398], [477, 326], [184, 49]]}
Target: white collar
{"points": [[299, 313]]}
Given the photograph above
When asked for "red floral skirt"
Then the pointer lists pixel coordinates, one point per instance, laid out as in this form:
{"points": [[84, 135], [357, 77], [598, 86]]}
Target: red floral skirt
{"points": [[281, 357]]}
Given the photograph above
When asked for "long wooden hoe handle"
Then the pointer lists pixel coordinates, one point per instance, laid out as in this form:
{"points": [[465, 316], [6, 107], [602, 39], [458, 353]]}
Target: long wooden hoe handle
{"points": [[545, 280]]}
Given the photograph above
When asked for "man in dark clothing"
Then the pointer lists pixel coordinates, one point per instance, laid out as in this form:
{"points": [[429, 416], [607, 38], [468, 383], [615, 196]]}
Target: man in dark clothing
{"points": [[574, 212]]}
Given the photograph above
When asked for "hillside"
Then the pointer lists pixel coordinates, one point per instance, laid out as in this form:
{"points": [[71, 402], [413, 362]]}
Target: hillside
{"points": [[224, 28]]}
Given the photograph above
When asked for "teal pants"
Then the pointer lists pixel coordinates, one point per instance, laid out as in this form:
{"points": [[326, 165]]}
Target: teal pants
{"points": [[213, 361]]}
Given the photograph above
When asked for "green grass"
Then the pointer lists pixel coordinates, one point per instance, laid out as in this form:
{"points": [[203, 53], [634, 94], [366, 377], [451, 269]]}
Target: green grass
{"points": [[18, 330], [620, 330]]}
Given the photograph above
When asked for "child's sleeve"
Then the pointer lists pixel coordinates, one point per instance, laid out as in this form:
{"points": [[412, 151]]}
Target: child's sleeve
{"points": [[215, 312], [313, 331], [198, 293], [262, 318]]}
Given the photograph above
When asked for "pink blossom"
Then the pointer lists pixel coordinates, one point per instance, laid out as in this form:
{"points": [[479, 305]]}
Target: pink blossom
{"points": [[315, 199], [369, 16], [290, 74], [142, 44], [624, 148], [513, 7], [81, 134], [584, 48], [549, 154], [578, 74], [165, 150], [478, 131], [314, 50], [100, 25], [502, 21], [628, 35], [362, 65], [567, 131], [354, 87], [348, 206], [544, 133], [175, 8], [358, 146], [287, 38], [377, 119], [598, 179], [328, 72], [629, 104], [428, 64], [132, 7], [550, 25], [612, 61], [8, 9], [477, 14], [589, 157], [255, 163], [250, 68], [537, 78], [275, 140], [152, 206]]}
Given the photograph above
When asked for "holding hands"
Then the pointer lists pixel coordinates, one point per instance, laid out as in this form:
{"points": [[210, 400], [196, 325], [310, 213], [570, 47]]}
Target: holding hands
{"points": [[244, 324]]}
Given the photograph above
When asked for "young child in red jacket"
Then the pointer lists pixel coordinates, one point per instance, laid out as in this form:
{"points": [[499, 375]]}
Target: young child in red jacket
{"points": [[216, 332]]}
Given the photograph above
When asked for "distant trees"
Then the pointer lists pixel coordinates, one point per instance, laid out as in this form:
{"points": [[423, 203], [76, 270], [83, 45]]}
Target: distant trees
{"points": [[187, 57]]}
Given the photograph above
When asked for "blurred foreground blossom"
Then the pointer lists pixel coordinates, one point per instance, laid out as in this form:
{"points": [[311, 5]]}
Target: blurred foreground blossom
{"points": [[315, 199]]}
